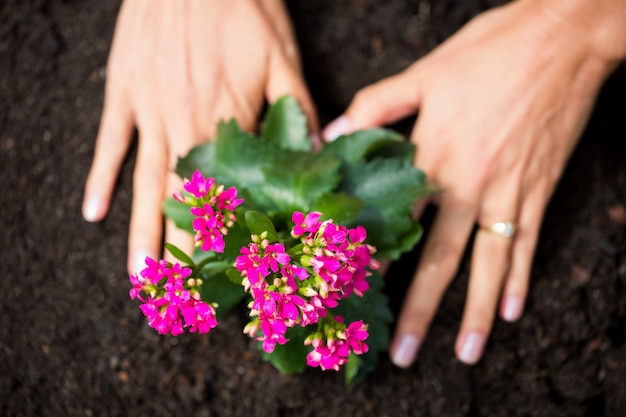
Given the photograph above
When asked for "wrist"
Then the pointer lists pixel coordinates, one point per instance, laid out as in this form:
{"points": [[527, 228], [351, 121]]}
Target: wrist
{"points": [[598, 25]]}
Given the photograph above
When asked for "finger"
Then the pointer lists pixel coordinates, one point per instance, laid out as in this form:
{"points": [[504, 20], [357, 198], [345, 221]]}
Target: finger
{"points": [[438, 265], [384, 102], [149, 184], [112, 143], [183, 134], [419, 206], [284, 78], [490, 264], [516, 284], [182, 239], [275, 12]]}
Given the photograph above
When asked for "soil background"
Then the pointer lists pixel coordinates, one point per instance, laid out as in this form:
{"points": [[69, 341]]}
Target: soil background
{"points": [[73, 344]]}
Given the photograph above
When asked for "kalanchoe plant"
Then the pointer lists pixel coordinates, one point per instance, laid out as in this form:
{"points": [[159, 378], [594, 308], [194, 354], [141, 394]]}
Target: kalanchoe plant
{"points": [[297, 233]]}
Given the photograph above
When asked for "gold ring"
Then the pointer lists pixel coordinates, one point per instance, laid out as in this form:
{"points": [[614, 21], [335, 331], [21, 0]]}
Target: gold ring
{"points": [[502, 229]]}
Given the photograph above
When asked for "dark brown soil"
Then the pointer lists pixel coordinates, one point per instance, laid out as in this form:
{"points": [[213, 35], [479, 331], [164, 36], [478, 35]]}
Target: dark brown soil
{"points": [[72, 343]]}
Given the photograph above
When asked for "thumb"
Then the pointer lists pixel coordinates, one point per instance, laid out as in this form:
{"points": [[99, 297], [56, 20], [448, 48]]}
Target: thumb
{"points": [[378, 104]]}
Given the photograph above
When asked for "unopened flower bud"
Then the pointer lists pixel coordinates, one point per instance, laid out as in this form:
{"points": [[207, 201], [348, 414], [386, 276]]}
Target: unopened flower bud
{"points": [[307, 291], [251, 328], [178, 196], [305, 260]]}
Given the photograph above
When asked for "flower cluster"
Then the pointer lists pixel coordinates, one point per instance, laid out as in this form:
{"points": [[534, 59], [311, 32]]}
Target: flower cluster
{"points": [[332, 345], [212, 207], [172, 300], [299, 287], [294, 286]]}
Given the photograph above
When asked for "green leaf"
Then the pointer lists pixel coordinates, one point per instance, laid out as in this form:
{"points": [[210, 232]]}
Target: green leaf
{"points": [[179, 214], [404, 243], [218, 288], [400, 151], [238, 155], [369, 362], [373, 309], [238, 236], [200, 157], [426, 190], [388, 187], [234, 276], [341, 207], [216, 266], [286, 126], [235, 158], [352, 368], [240, 159], [384, 183], [201, 257], [290, 358], [386, 230], [360, 144], [295, 180], [259, 223], [180, 255], [296, 250]]}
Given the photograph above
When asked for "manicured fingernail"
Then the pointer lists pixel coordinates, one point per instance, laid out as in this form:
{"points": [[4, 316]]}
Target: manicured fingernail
{"points": [[512, 308], [406, 351], [472, 348], [316, 141], [339, 126], [91, 207], [138, 261]]}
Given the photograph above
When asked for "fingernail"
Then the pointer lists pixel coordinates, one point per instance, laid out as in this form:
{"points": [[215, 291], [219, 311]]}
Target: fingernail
{"points": [[339, 126], [91, 207], [472, 348], [316, 141], [405, 353], [137, 261], [513, 308]]}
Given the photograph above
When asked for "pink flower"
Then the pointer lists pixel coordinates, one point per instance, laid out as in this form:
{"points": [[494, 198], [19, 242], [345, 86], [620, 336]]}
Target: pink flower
{"points": [[337, 255], [332, 346], [308, 224], [162, 317], [199, 317], [358, 234], [212, 207], [211, 239], [138, 286], [331, 356], [178, 196], [275, 255], [358, 284], [251, 264], [208, 225], [227, 200], [335, 235], [302, 286], [205, 217], [198, 186], [273, 332], [155, 271], [356, 334], [172, 302]]}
